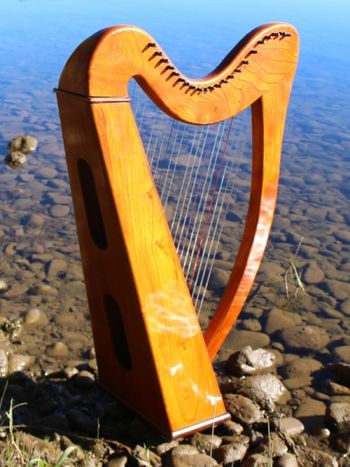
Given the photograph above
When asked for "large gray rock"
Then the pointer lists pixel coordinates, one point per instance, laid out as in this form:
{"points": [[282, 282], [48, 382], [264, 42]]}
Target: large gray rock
{"points": [[248, 361]]}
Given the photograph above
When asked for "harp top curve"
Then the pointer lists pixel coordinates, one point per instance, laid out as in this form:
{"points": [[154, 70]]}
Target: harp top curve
{"points": [[103, 65]]}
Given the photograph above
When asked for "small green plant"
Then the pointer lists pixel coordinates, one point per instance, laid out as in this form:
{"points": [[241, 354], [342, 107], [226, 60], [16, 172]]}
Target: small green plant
{"points": [[59, 463], [293, 275]]}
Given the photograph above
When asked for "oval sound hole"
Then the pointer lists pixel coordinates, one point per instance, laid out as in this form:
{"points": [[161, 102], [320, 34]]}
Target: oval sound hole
{"points": [[116, 326], [92, 205]]}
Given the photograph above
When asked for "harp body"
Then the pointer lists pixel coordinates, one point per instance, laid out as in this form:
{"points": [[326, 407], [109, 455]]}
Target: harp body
{"points": [[150, 349]]}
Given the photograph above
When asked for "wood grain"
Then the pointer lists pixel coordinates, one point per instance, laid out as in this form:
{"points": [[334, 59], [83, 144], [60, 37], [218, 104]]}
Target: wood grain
{"points": [[136, 266]]}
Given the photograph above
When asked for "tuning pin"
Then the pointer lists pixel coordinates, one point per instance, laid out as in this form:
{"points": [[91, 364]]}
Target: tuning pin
{"points": [[148, 46], [156, 54]]}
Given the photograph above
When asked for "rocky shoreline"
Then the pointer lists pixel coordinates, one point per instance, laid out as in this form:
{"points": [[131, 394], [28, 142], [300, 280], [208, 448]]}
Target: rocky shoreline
{"points": [[275, 418]]}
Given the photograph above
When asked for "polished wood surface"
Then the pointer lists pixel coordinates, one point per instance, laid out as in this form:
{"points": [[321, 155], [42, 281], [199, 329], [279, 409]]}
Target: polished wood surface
{"points": [[150, 349]]}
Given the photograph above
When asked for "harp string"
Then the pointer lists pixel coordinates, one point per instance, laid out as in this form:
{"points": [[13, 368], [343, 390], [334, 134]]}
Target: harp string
{"points": [[195, 170]]}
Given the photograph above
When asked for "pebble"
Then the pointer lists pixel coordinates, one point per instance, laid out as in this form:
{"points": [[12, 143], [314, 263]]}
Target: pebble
{"points": [[194, 460], [342, 353], [16, 291], [248, 361], [59, 210], [289, 426], [345, 307], [305, 337], [278, 319], [59, 349], [35, 316], [206, 443], [300, 367], [56, 269], [233, 452], [287, 460], [313, 273], [237, 340], [242, 409], [24, 143], [3, 285], [117, 462], [340, 290], [311, 412], [16, 159]]}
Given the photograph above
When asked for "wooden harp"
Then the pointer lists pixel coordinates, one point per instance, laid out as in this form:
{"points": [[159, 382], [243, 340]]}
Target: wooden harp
{"points": [[150, 349]]}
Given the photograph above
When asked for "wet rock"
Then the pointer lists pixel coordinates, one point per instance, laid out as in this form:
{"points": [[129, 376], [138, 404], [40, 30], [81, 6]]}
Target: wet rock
{"points": [[59, 349], [345, 307], [56, 269], [237, 340], [300, 367], [305, 338], [287, 460], [233, 452], [47, 172], [289, 426], [59, 210], [340, 290], [242, 409], [338, 415], [278, 319], [264, 389], [206, 443], [342, 353], [313, 274], [248, 361], [24, 143], [35, 317], [342, 235], [16, 159]]}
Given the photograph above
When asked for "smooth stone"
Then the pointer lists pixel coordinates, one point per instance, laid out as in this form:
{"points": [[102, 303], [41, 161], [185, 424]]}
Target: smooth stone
{"points": [[218, 278], [184, 450], [36, 317], [311, 412], [233, 452], [194, 460], [342, 235], [248, 361], [289, 426], [242, 409], [287, 460], [338, 389], [45, 289], [305, 337], [3, 285], [206, 443], [59, 210], [342, 353], [251, 325], [300, 367], [46, 172], [237, 340], [313, 274], [338, 415], [231, 428], [35, 220], [16, 159], [16, 291], [278, 319], [56, 269], [345, 307], [23, 143], [165, 447], [340, 290], [59, 349], [297, 382]]}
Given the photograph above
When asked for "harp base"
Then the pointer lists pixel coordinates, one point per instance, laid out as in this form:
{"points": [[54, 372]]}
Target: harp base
{"points": [[168, 434]]}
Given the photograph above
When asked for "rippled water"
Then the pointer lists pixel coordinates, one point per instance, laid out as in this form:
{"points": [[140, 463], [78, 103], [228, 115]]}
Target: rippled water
{"points": [[36, 220]]}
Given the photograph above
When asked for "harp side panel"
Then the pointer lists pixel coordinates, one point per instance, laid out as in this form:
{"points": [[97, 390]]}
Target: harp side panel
{"points": [[140, 270]]}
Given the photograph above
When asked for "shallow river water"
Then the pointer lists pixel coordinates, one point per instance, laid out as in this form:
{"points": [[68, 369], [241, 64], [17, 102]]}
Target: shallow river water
{"points": [[39, 253]]}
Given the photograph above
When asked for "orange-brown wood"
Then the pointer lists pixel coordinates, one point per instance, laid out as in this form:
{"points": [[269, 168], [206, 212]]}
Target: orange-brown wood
{"points": [[145, 328]]}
